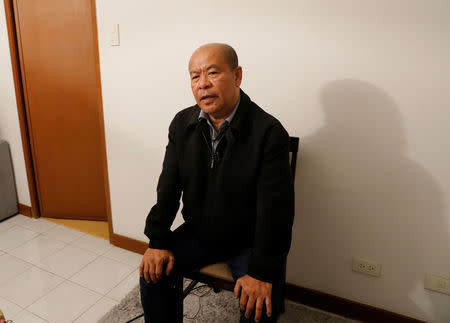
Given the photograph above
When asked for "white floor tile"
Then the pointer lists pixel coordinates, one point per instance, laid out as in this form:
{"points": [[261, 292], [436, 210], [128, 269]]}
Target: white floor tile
{"points": [[27, 317], [94, 244], [10, 267], [97, 311], [63, 233], [102, 274], [19, 219], [67, 261], [37, 225], [14, 237], [125, 256], [65, 303], [125, 286], [37, 249], [9, 309], [27, 287], [6, 224]]}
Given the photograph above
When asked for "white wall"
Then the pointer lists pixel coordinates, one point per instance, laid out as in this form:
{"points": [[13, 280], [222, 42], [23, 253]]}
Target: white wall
{"points": [[9, 119]]}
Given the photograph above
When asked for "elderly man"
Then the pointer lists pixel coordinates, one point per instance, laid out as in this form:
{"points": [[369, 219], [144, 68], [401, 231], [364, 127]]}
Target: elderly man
{"points": [[230, 161]]}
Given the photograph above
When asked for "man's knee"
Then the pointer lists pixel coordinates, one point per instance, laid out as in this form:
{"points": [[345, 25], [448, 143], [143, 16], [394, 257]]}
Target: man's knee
{"points": [[146, 287], [164, 281]]}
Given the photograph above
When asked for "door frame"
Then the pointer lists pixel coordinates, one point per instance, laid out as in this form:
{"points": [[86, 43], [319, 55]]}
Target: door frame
{"points": [[22, 109]]}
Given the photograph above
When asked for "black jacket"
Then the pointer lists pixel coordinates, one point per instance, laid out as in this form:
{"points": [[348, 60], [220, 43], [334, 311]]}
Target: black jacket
{"points": [[245, 200]]}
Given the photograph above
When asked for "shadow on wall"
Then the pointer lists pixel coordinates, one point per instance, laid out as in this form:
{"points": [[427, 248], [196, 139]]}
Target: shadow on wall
{"points": [[358, 194]]}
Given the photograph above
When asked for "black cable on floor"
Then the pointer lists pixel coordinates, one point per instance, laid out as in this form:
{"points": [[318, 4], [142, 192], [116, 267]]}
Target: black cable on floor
{"points": [[135, 318]]}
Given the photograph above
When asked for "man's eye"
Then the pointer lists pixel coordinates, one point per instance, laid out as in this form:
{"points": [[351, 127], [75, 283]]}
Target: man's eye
{"points": [[195, 77], [212, 73]]}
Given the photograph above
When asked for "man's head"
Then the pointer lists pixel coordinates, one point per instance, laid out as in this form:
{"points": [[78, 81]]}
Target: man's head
{"points": [[215, 78]]}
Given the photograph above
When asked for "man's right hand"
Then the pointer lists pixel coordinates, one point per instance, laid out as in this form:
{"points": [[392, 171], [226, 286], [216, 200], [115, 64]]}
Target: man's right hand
{"points": [[152, 264]]}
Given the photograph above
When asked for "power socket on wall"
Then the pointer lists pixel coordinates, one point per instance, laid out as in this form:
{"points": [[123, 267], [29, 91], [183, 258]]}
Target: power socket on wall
{"points": [[368, 267], [438, 284]]}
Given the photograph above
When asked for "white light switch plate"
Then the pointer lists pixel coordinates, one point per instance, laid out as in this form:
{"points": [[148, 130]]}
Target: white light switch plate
{"points": [[114, 37]]}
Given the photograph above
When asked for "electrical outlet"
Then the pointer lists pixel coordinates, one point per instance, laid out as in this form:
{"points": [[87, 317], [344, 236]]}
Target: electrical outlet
{"points": [[438, 284], [368, 267]]}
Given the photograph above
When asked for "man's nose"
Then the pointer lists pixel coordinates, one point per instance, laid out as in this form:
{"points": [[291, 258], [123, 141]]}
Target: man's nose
{"points": [[204, 82]]}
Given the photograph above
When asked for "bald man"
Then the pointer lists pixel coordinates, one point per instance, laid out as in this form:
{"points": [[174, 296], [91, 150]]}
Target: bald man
{"points": [[230, 161]]}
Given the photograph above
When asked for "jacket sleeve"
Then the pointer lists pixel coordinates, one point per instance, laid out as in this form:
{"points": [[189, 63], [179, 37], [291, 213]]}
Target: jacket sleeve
{"points": [[275, 208], [162, 214]]}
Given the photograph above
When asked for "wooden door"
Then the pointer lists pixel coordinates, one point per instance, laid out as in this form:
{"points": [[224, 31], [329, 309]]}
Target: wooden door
{"points": [[60, 72]]}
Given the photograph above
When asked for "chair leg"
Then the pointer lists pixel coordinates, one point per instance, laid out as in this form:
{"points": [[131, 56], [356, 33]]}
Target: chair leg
{"points": [[190, 287]]}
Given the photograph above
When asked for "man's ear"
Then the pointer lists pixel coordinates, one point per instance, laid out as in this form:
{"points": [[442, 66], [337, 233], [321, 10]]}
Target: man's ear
{"points": [[238, 76]]}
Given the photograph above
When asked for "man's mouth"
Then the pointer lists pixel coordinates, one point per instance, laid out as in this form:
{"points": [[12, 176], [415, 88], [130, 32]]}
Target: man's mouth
{"points": [[208, 97]]}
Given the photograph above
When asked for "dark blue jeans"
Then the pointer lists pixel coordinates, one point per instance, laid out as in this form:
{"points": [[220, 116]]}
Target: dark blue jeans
{"points": [[163, 301]]}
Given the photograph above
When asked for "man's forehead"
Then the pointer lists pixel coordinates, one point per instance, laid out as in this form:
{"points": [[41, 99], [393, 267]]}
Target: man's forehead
{"points": [[205, 57], [197, 69]]}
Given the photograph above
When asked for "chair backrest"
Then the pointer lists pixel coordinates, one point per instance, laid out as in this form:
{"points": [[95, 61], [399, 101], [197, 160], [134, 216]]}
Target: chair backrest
{"points": [[293, 149]]}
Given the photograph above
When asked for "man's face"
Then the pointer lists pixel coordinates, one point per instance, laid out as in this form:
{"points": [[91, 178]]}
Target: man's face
{"points": [[214, 85]]}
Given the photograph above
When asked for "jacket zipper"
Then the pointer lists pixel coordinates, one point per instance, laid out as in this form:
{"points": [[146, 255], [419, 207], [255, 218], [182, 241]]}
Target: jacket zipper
{"points": [[210, 150], [214, 156]]}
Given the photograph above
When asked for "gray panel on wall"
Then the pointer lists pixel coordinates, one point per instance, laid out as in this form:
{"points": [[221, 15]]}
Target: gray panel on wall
{"points": [[8, 194]]}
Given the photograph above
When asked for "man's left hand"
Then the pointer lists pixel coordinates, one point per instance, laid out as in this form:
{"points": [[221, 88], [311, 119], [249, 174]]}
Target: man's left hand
{"points": [[254, 293]]}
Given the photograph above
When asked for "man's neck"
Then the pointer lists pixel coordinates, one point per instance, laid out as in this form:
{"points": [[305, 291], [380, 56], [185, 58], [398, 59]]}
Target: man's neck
{"points": [[216, 121]]}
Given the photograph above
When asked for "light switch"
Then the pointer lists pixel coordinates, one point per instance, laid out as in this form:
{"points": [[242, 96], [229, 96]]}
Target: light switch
{"points": [[115, 40]]}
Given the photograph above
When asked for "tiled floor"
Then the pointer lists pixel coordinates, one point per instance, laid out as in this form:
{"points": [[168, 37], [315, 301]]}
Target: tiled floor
{"points": [[52, 273]]}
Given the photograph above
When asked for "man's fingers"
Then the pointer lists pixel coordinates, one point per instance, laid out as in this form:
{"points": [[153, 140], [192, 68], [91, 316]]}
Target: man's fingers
{"points": [[258, 309], [153, 272], [243, 301], [269, 306], [159, 269], [237, 288], [146, 275], [153, 265], [250, 306], [169, 266]]}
